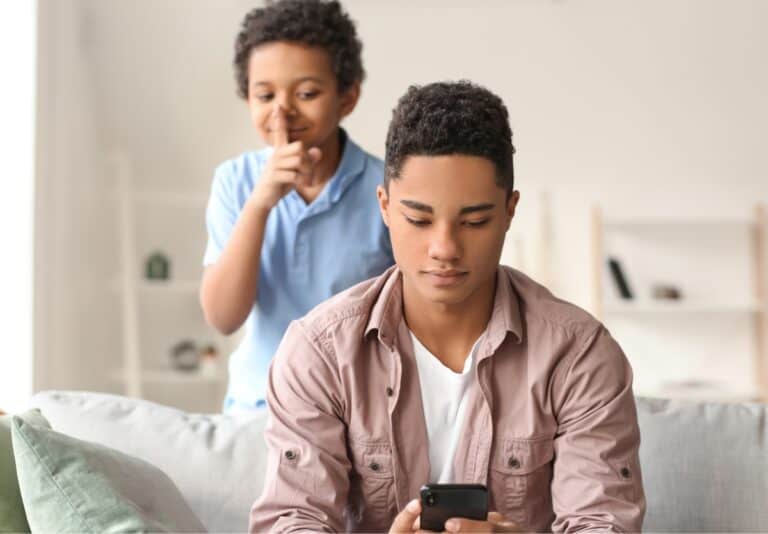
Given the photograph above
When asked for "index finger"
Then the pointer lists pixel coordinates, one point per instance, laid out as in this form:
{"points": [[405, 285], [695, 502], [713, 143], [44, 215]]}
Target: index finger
{"points": [[279, 126]]}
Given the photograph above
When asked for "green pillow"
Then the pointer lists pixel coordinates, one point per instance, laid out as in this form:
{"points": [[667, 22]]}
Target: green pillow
{"points": [[69, 485], [12, 517]]}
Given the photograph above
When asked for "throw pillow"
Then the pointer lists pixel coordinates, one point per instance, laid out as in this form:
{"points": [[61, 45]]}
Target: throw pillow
{"points": [[69, 485], [12, 517]]}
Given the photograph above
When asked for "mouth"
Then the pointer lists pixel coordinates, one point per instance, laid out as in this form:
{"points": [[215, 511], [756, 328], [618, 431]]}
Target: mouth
{"points": [[444, 278], [291, 131]]}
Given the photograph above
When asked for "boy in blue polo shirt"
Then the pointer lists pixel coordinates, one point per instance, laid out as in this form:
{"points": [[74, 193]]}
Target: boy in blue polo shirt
{"points": [[295, 223]]}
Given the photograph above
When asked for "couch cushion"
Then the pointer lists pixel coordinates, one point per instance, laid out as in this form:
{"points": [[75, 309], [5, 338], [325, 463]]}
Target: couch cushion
{"points": [[216, 461], [12, 516], [705, 466], [70, 485]]}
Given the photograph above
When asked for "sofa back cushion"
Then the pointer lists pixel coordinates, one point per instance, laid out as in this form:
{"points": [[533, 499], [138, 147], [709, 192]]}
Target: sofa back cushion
{"points": [[705, 465]]}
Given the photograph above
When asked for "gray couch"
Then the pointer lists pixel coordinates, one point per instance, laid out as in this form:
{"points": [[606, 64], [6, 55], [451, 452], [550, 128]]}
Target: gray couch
{"points": [[705, 465]]}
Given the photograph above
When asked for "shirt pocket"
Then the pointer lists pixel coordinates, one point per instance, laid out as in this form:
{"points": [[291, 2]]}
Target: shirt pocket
{"points": [[372, 498], [521, 478]]}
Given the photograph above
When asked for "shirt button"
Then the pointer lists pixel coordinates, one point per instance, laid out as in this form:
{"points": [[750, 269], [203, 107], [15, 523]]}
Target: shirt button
{"points": [[625, 472], [390, 392], [374, 466], [290, 455], [513, 462]]}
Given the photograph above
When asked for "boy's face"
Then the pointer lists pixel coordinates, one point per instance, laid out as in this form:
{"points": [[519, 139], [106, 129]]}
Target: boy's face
{"points": [[447, 219], [301, 81]]}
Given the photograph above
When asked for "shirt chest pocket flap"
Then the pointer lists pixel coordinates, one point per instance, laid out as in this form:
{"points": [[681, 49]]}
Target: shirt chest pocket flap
{"points": [[521, 473]]}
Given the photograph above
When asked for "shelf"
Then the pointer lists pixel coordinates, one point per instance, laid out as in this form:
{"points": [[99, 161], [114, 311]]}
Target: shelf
{"points": [[166, 197], [619, 223], [174, 198], [645, 307], [161, 286], [171, 376]]}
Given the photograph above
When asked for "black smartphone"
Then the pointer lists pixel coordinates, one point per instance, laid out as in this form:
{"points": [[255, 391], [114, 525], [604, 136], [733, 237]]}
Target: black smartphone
{"points": [[440, 502]]}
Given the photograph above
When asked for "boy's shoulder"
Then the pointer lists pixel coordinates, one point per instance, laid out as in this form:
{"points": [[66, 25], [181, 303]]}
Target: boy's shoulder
{"points": [[348, 311], [542, 309], [361, 153]]}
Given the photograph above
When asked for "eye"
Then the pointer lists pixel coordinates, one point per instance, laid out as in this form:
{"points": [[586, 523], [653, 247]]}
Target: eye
{"points": [[417, 222], [308, 95], [476, 224], [264, 97]]}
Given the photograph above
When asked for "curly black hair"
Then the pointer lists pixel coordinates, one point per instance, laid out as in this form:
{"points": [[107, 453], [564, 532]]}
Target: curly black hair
{"points": [[311, 22], [450, 118]]}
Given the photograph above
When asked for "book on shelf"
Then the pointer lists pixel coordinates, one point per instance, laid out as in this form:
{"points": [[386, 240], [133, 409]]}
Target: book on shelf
{"points": [[620, 279]]}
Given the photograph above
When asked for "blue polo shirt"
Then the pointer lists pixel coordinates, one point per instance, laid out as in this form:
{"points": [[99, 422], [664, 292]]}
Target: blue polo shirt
{"points": [[310, 252]]}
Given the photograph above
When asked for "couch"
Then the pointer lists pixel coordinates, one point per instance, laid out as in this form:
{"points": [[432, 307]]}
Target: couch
{"points": [[705, 465]]}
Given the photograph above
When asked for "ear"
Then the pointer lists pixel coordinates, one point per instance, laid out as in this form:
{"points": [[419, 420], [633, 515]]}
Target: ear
{"points": [[349, 99], [383, 198], [512, 201]]}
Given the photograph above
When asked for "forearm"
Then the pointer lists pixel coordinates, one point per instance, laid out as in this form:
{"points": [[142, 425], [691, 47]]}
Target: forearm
{"points": [[229, 286]]}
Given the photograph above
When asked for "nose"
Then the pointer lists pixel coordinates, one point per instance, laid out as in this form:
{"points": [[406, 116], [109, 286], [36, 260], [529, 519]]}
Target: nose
{"points": [[444, 245], [285, 103]]}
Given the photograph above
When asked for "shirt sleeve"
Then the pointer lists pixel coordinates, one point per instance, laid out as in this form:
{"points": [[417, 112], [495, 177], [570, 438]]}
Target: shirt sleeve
{"points": [[307, 479], [221, 213], [597, 484]]}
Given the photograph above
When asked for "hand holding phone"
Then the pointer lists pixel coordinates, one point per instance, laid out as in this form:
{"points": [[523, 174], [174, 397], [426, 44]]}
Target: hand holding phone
{"points": [[440, 502]]}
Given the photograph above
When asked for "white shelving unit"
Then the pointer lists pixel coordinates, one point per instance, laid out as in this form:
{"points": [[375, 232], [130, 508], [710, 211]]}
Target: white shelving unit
{"points": [[709, 344], [158, 313]]}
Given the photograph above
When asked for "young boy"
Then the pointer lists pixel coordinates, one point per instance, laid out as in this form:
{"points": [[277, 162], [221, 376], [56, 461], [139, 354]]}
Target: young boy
{"points": [[450, 368], [293, 224]]}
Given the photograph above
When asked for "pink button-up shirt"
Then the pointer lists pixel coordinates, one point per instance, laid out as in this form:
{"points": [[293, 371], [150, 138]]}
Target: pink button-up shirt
{"points": [[550, 426]]}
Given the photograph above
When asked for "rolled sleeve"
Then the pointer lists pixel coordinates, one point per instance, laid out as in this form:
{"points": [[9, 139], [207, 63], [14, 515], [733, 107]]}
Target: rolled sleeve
{"points": [[307, 479], [597, 483]]}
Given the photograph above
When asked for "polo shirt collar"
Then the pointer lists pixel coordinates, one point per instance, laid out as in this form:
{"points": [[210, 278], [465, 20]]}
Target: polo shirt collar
{"points": [[351, 166]]}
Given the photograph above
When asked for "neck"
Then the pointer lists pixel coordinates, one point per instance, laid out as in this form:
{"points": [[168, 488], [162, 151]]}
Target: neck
{"points": [[449, 330]]}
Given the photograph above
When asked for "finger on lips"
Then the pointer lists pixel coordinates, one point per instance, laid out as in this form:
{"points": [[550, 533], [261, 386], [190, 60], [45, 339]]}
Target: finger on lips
{"points": [[279, 126]]}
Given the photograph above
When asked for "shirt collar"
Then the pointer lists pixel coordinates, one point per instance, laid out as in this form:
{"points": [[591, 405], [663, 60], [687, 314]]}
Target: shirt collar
{"points": [[351, 166], [387, 311]]}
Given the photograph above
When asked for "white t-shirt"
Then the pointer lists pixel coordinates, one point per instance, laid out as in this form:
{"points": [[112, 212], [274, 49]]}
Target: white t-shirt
{"points": [[444, 394]]}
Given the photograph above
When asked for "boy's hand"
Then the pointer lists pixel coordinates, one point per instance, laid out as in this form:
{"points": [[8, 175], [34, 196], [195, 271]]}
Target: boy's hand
{"points": [[290, 165]]}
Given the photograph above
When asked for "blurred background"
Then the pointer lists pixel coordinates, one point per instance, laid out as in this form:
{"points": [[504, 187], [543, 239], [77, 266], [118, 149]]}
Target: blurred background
{"points": [[639, 129]]}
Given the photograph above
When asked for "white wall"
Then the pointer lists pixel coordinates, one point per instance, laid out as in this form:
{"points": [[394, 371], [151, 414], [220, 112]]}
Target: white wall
{"points": [[17, 108], [654, 106]]}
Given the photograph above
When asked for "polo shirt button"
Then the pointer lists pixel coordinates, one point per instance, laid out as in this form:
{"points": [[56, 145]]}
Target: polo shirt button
{"points": [[390, 392], [513, 462], [374, 466]]}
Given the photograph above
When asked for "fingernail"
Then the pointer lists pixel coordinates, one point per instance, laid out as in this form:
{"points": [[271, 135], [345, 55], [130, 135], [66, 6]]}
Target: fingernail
{"points": [[413, 506], [451, 525]]}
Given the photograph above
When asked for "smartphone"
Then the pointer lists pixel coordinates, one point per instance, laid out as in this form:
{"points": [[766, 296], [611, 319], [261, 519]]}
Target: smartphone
{"points": [[440, 502]]}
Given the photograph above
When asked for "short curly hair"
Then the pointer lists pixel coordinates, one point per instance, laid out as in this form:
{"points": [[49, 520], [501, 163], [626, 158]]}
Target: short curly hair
{"points": [[446, 118], [312, 22]]}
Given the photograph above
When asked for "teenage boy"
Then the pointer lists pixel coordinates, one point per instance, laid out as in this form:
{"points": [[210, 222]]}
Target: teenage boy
{"points": [[450, 367], [297, 222]]}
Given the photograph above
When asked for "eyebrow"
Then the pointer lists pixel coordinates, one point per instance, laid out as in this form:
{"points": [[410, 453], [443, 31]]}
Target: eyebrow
{"points": [[428, 209], [300, 80]]}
